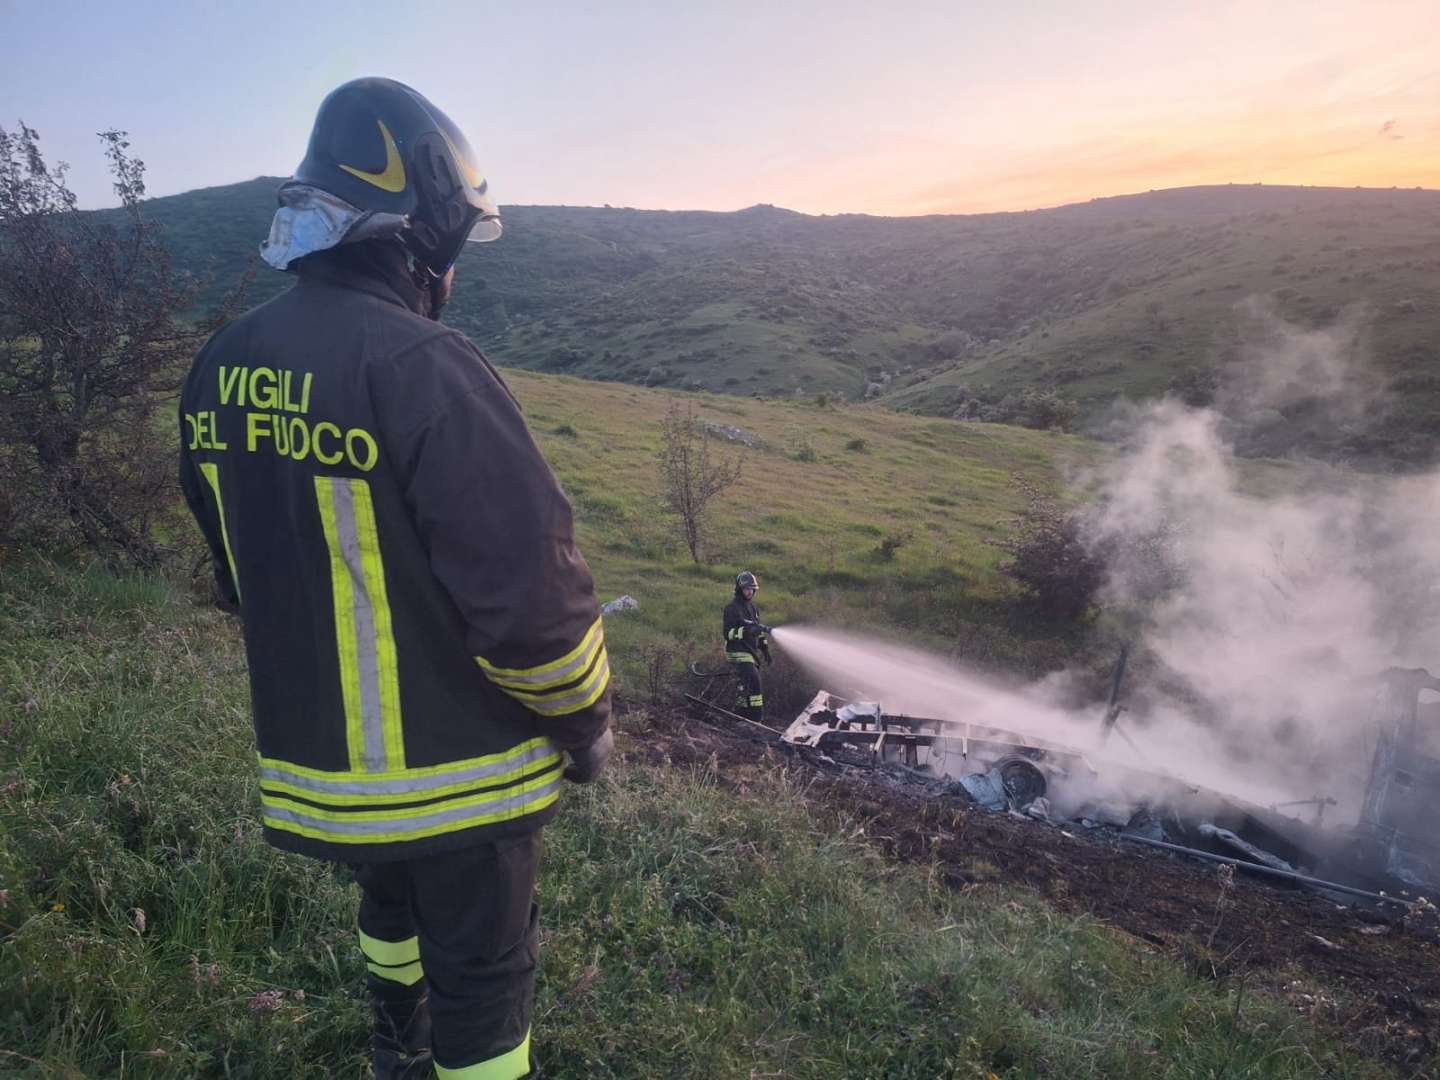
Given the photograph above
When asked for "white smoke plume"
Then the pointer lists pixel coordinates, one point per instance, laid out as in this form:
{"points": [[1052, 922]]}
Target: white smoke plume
{"points": [[1288, 376], [1264, 598], [1294, 586]]}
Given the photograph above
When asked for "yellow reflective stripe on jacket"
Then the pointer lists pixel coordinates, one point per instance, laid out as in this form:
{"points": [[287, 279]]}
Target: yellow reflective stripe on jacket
{"points": [[511, 1065], [557, 672], [369, 676], [571, 698], [739, 657], [369, 789], [211, 472], [414, 822], [505, 758], [575, 681]]}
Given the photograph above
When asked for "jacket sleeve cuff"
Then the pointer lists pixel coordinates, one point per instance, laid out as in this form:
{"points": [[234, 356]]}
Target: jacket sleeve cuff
{"points": [[574, 682], [579, 729]]}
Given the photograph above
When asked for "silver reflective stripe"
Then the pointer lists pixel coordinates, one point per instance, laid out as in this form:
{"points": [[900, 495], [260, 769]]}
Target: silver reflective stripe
{"points": [[410, 785], [595, 637], [553, 706], [366, 658], [420, 821]]}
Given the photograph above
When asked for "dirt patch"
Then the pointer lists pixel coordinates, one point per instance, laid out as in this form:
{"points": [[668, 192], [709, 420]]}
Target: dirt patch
{"points": [[1367, 979]]}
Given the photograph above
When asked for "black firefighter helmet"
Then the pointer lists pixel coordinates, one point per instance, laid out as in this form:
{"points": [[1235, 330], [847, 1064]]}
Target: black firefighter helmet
{"points": [[381, 146], [746, 580]]}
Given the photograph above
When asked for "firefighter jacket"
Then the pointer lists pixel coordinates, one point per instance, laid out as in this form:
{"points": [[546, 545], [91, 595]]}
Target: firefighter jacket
{"points": [[422, 635], [744, 642]]}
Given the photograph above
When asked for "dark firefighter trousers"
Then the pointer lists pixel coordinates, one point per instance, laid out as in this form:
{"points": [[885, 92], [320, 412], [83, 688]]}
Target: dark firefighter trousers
{"points": [[752, 698], [461, 925]]}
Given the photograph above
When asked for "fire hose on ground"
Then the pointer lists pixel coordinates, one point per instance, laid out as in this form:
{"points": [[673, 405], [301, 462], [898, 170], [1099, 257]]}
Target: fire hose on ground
{"points": [[1259, 868]]}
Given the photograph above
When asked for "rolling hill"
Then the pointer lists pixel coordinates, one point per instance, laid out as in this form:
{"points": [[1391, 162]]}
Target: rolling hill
{"points": [[1120, 298]]}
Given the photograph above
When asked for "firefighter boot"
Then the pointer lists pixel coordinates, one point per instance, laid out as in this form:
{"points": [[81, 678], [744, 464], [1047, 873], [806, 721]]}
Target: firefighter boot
{"points": [[401, 1037]]}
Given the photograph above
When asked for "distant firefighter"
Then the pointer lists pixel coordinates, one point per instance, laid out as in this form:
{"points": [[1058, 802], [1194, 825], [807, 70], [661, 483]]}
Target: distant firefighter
{"points": [[747, 639]]}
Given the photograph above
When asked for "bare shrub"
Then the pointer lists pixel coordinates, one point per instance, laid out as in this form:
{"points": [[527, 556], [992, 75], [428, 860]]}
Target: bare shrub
{"points": [[692, 474], [659, 657], [89, 349]]}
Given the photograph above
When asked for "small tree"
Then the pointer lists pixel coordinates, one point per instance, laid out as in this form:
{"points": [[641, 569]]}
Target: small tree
{"points": [[88, 343], [691, 474], [1049, 557], [1046, 410]]}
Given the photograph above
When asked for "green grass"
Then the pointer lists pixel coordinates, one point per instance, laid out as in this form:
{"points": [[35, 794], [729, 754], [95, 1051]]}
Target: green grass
{"points": [[809, 521], [696, 923]]}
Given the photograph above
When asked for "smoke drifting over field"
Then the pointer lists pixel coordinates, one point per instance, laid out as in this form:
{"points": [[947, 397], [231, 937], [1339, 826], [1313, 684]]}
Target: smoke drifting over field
{"points": [[1283, 605], [1265, 598]]}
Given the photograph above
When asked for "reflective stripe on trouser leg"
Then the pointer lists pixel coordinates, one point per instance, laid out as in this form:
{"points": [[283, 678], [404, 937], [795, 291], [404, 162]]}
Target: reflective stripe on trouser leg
{"points": [[393, 961], [479, 932], [752, 699], [510, 1065], [386, 931]]}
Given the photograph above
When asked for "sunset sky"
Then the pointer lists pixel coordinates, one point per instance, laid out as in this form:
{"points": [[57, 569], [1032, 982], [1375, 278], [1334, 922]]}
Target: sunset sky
{"points": [[913, 107]]}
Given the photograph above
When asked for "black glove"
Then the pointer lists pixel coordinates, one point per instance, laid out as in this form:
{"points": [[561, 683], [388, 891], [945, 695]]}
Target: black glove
{"points": [[589, 761]]}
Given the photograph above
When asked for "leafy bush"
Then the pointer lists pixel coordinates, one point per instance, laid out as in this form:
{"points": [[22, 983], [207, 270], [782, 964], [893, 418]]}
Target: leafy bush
{"points": [[563, 359], [1195, 387], [1049, 557], [89, 343], [892, 543], [802, 449], [1046, 410]]}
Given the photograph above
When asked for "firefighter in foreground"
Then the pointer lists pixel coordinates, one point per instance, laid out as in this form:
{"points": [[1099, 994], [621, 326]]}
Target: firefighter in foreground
{"points": [[427, 662], [747, 640]]}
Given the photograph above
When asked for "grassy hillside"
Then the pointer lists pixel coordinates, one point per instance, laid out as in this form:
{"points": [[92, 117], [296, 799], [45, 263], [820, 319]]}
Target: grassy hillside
{"points": [[1166, 310], [1122, 297], [819, 495], [695, 923]]}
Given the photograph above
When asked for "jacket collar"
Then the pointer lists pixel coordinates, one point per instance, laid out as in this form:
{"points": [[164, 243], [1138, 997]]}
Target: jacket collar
{"points": [[375, 267]]}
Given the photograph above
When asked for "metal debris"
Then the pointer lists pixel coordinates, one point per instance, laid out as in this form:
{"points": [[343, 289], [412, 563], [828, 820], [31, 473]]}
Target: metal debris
{"points": [[1394, 847], [1244, 847]]}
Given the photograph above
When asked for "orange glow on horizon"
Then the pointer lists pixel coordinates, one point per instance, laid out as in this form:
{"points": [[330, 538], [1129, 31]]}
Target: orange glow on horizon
{"points": [[1128, 164], [1366, 117], [1165, 159]]}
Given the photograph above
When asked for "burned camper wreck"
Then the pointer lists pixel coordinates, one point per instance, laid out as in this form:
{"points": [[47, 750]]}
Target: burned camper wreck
{"points": [[1389, 856]]}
